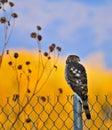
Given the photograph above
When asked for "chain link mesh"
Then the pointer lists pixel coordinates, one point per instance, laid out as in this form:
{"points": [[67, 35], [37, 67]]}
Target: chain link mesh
{"points": [[49, 113]]}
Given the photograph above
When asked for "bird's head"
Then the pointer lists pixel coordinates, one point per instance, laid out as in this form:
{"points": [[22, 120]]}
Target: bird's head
{"points": [[72, 58]]}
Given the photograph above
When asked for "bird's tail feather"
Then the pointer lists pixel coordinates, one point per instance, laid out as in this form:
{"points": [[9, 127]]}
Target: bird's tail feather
{"points": [[86, 109]]}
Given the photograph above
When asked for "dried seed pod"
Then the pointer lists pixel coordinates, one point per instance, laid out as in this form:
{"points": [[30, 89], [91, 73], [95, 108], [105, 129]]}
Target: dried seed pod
{"points": [[14, 15], [43, 98], [7, 52], [51, 48], [53, 45], [3, 1], [55, 67], [3, 20], [10, 63], [33, 35], [28, 90], [11, 4], [28, 120], [45, 53], [39, 37], [16, 55], [58, 48], [27, 62], [60, 90], [49, 57], [15, 97], [39, 27], [29, 70], [19, 67]]}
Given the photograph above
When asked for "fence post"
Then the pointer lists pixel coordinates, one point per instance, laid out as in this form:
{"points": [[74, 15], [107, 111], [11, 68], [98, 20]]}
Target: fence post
{"points": [[77, 108]]}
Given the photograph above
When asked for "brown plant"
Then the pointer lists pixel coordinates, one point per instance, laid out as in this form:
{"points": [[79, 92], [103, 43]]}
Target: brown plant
{"points": [[46, 61], [8, 20]]}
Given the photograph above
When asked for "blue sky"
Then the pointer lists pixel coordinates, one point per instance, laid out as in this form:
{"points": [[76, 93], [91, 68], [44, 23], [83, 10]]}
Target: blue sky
{"points": [[82, 27]]}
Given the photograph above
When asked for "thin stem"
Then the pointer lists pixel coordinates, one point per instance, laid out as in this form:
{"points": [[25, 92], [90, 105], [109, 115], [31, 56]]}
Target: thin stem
{"points": [[6, 37], [22, 111], [45, 80], [42, 73], [28, 82], [47, 77], [11, 31], [5, 43]]}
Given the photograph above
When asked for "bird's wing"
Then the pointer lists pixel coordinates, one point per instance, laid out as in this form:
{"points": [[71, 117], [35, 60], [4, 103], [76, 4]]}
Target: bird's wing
{"points": [[75, 72]]}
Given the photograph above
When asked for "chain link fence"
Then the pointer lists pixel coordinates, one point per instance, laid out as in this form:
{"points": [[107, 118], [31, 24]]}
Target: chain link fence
{"points": [[55, 113]]}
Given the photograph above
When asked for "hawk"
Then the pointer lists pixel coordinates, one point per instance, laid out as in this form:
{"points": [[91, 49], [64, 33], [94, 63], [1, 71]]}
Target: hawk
{"points": [[75, 75]]}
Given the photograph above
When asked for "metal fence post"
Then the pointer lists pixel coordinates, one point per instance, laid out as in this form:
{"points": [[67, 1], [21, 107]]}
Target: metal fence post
{"points": [[77, 108]]}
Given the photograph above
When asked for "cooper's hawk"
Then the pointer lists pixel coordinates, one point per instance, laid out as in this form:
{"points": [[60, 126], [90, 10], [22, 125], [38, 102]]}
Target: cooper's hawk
{"points": [[75, 75]]}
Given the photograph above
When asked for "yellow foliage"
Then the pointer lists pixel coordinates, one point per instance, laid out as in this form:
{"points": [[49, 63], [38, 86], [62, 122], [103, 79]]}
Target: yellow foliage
{"points": [[99, 83]]}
